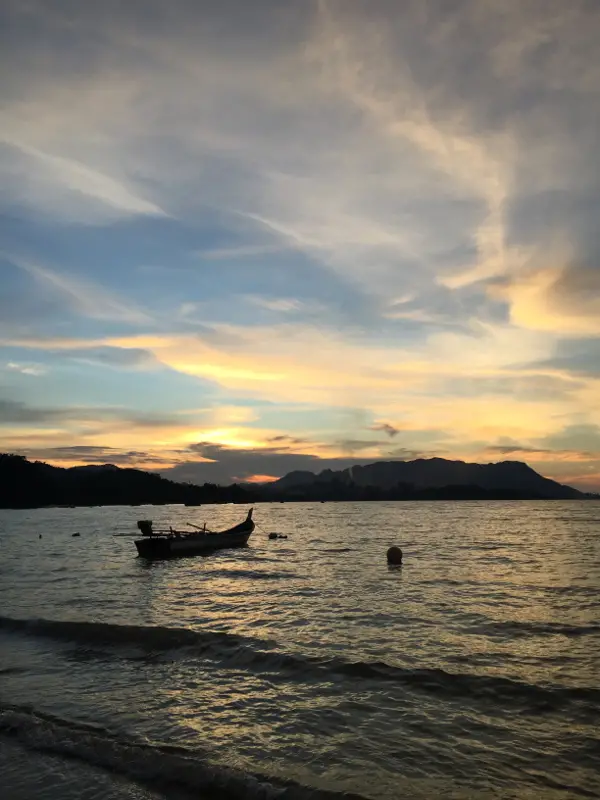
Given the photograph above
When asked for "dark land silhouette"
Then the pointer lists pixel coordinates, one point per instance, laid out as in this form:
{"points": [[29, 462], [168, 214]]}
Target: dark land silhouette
{"points": [[27, 484], [430, 477]]}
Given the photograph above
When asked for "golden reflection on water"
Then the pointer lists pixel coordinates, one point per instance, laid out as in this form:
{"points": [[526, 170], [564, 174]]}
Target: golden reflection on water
{"points": [[463, 579], [499, 591]]}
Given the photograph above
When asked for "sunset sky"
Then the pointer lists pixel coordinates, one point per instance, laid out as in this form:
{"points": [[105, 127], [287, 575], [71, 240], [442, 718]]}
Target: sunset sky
{"points": [[240, 238]]}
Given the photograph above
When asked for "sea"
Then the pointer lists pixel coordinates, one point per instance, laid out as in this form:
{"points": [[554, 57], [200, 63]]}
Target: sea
{"points": [[303, 667]]}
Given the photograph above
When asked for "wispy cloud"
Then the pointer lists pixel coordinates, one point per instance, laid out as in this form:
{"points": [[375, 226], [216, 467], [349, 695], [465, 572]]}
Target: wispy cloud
{"points": [[34, 370], [283, 304], [563, 300], [67, 190], [389, 163], [432, 162], [19, 412], [121, 358], [84, 297], [406, 386], [76, 455], [240, 251]]}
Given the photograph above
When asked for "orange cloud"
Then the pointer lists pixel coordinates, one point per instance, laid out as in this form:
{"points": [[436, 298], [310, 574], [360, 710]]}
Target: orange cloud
{"points": [[540, 456], [442, 394], [553, 299], [260, 479], [589, 482]]}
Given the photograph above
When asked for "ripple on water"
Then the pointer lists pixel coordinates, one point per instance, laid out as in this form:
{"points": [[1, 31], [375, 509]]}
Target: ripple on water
{"points": [[470, 671]]}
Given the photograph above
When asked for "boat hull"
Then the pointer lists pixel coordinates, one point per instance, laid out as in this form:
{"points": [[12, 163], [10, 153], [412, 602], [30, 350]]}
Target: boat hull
{"points": [[172, 547], [169, 543]]}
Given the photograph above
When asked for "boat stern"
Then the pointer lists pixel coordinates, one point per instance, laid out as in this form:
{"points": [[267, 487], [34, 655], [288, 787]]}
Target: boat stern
{"points": [[154, 547]]}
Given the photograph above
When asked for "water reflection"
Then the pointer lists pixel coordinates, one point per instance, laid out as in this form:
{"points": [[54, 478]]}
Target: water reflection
{"points": [[495, 605]]}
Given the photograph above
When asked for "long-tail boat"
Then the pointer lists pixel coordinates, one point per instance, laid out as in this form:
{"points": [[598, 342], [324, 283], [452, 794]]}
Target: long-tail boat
{"points": [[168, 542]]}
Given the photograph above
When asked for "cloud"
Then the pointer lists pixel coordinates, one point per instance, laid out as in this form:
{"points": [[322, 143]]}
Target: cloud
{"points": [[563, 301], [124, 358], [295, 364], [584, 436], [386, 428], [75, 431], [512, 385], [35, 370], [240, 251], [226, 465], [324, 169], [375, 450], [83, 296], [587, 482], [65, 189], [283, 439], [413, 189], [539, 454], [569, 454], [17, 412], [283, 304], [409, 386], [395, 161], [572, 357], [89, 454]]}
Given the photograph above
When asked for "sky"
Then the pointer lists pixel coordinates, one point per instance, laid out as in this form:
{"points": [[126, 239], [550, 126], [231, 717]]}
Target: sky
{"points": [[238, 239]]}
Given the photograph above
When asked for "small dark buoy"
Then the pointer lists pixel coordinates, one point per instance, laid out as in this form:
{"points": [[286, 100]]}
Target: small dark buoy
{"points": [[394, 555], [75, 534], [40, 536], [272, 536]]}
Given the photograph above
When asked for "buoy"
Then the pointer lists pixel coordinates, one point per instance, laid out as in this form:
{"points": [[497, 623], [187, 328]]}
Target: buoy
{"points": [[272, 536], [75, 534], [394, 555]]}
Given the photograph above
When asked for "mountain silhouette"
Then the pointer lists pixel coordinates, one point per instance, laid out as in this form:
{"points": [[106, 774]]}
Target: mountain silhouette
{"points": [[428, 474], [27, 484]]}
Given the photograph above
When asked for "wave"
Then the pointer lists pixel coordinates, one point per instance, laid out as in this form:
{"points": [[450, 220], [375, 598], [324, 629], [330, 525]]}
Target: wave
{"points": [[245, 652], [163, 767], [149, 637], [518, 628], [254, 574], [12, 670]]}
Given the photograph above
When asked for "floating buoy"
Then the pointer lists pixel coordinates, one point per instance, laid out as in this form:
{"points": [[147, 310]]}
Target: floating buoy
{"points": [[394, 555], [272, 536], [75, 534]]}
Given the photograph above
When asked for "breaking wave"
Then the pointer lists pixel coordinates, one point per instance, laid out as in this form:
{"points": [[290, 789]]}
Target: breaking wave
{"points": [[157, 765], [261, 655]]}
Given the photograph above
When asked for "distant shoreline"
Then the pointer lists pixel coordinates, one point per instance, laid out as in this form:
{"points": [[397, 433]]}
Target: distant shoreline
{"points": [[27, 485], [585, 498]]}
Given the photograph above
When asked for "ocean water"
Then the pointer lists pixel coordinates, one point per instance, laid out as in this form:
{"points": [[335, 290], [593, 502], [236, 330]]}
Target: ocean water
{"points": [[305, 667]]}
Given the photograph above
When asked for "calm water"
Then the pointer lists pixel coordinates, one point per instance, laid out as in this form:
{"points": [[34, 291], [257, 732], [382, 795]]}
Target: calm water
{"points": [[304, 664]]}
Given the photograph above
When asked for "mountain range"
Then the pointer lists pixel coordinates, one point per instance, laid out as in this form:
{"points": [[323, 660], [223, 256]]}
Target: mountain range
{"points": [[26, 484], [433, 473]]}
